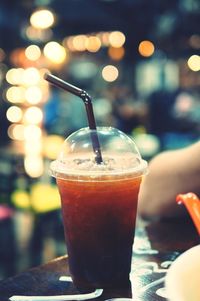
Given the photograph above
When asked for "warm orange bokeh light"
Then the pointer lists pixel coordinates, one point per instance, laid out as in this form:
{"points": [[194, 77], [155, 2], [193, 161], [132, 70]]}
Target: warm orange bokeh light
{"points": [[79, 42], [110, 73], [146, 48], [116, 53], [93, 44]]}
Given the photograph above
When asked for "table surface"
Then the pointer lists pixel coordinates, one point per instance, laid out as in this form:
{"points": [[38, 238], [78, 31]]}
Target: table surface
{"points": [[156, 246]]}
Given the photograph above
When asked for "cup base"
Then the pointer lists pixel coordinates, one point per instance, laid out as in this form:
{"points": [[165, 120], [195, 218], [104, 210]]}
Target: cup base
{"points": [[85, 286]]}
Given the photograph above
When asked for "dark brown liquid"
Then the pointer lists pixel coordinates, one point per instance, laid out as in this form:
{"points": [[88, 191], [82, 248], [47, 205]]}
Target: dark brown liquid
{"points": [[99, 223]]}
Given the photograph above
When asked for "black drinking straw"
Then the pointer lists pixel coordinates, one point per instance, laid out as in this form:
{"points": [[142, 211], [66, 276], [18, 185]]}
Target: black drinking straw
{"points": [[89, 110]]}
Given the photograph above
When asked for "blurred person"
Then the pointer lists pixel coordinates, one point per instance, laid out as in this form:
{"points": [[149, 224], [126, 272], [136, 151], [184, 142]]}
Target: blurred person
{"points": [[170, 173]]}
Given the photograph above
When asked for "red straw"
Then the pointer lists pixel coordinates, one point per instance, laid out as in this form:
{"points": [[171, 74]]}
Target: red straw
{"points": [[192, 203]]}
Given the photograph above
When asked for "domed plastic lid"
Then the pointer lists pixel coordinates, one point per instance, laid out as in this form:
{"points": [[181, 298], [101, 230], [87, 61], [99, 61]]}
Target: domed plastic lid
{"points": [[120, 155]]}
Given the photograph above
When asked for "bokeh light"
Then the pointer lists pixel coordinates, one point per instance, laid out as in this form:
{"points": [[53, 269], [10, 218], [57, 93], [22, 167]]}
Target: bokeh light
{"points": [[16, 132], [35, 34], [79, 42], [42, 19], [33, 115], [117, 39], [32, 132], [33, 148], [33, 95], [33, 52], [116, 53], [146, 48], [110, 73], [15, 94], [93, 44], [52, 146], [14, 76], [34, 165], [68, 43], [104, 36], [194, 62], [31, 76], [44, 197], [14, 114], [21, 199], [55, 52]]}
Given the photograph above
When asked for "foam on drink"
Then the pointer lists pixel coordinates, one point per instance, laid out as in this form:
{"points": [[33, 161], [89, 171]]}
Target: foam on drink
{"points": [[85, 166]]}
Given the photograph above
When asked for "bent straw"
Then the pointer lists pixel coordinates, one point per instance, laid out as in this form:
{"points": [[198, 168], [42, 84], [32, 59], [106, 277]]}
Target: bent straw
{"points": [[89, 110]]}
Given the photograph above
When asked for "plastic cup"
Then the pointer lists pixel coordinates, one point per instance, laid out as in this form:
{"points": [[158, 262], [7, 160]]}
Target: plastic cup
{"points": [[99, 205]]}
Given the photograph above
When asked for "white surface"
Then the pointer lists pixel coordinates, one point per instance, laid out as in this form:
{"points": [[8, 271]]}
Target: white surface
{"points": [[183, 277]]}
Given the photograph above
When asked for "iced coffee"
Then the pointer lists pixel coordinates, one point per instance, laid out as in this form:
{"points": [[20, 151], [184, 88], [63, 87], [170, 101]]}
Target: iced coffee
{"points": [[99, 205]]}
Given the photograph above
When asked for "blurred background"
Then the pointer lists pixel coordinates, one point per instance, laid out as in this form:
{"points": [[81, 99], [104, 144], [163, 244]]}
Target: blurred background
{"points": [[140, 62]]}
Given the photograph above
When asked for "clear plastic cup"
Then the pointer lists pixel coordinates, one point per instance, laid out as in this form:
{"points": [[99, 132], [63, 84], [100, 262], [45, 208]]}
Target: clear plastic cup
{"points": [[99, 205]]}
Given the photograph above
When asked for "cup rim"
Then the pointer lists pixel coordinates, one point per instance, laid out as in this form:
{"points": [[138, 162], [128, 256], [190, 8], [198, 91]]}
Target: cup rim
{"points": [[134, 172]]}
